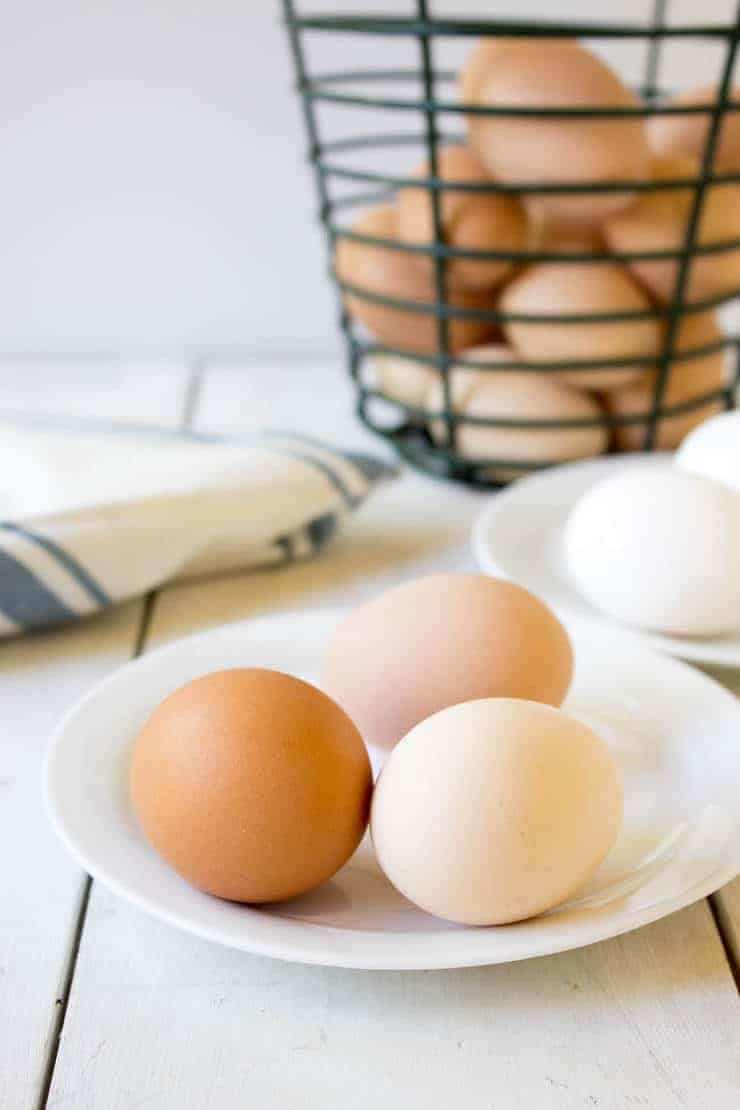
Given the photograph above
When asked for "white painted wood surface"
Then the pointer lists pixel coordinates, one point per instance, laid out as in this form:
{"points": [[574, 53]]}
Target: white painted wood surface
{"points": [[157, 1018], [40, 678]]}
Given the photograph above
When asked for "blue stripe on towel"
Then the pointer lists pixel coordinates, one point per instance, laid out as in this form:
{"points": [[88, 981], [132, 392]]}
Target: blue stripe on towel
{"points": [[80, 574], [286, 545], [318, 464], [321, 529], [24, 597]]}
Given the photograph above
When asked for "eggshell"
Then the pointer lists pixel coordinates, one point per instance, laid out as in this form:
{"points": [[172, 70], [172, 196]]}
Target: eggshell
{"points": [[686, 135], [495, 810], [687, 379], [563, 239], [658, 548], [713, 450], [391, 273], [253, 785], [470, 221], [435, 641], [659, 221], [516, 395], [569, 288], [558, 73], [402, 379], [478, 65]]}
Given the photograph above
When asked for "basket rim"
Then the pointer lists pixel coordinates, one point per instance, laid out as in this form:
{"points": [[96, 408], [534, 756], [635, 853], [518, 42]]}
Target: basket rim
{"points": [[505, 28]]}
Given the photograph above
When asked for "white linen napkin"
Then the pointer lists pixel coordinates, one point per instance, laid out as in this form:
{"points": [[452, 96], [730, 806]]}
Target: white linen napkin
{"points": [[93, 514]]}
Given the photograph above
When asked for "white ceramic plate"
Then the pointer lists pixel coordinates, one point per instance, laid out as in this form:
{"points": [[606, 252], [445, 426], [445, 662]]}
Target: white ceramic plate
{"points": [[673, 731], [519, 536]]}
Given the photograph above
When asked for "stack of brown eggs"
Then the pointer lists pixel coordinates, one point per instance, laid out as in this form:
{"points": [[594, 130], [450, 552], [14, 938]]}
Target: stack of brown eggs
{"points": [[552, 150]]}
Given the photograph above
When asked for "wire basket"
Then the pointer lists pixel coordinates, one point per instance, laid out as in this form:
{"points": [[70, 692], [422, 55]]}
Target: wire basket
{"points": [[408, 427]]}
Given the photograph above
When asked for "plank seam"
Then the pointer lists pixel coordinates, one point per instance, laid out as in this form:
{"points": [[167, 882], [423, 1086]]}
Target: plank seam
{"points": [[724, 928]]}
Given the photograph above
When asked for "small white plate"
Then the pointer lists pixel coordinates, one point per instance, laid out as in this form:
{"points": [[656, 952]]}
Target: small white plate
{"points": [[673, 731], [519, 536]]}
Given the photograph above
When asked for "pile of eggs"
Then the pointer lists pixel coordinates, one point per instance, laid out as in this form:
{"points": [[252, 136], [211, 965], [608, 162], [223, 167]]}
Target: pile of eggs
{"points": [[657, 545], [530, 74], [493, 805]]}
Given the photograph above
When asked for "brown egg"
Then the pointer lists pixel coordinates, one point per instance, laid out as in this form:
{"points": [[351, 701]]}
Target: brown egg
{"points": [[659, 221], [686, 135], [478, 65], [565, 239], [569, 288], [253, 785], [530, 73], [516, 395], [392, 273], [470, 221], [437, 641], [688, 378]]}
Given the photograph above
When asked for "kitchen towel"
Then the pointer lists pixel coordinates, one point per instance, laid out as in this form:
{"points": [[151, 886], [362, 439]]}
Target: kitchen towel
{"points": [[93, 514]]}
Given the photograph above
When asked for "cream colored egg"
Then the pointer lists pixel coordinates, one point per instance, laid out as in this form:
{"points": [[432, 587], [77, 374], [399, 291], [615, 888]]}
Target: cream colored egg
{"points": [[470, 221], [659, 549], [659, 221], [402, 379], [392, 273], [686, 135], [688, 379], [516, 395], [532, 73], [495, 810], [713, 450], [554, 289], [435, 641]]}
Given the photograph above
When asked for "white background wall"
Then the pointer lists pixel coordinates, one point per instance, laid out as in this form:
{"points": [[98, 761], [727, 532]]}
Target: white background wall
{"points": [[153, 193]]}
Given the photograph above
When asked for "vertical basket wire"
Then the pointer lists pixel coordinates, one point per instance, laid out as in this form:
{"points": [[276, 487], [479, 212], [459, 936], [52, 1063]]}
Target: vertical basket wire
{"points": [[423, 29]]}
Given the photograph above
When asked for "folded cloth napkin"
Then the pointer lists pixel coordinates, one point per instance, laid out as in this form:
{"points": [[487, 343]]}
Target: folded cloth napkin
{"points": [[93, 514]]}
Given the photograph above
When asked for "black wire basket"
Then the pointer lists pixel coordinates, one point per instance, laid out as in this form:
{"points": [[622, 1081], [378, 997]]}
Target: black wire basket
{"points": [[343, 188]]}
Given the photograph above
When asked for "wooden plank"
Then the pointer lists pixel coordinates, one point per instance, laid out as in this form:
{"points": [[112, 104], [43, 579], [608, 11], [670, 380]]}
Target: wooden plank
{"points": [[40, 677], [160, 1018]]}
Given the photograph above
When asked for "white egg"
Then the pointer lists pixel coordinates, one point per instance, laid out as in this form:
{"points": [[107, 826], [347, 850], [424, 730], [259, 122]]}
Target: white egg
{"points": [[713, 450], [658, 548]]}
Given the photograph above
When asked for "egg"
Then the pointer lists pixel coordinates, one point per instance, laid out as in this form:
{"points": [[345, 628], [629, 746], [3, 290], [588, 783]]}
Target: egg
{"points": [[532, 73], [688, 379], [470, 221], [516, 395], [478, 65], [686, 135], [659, 221], [435, 641], [495, 810], [253, 785], [659, 549], [391, 273], [562, 239], [403, 380], [713, 450], [554, 289]]}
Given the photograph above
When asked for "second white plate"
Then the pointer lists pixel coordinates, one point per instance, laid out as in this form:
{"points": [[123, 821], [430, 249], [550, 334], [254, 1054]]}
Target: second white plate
{"points": [[519, 536], [673, 732]]}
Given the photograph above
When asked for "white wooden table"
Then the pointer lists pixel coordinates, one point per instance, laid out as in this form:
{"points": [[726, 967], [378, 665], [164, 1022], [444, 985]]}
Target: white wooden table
{"points": [[103, 1008]]}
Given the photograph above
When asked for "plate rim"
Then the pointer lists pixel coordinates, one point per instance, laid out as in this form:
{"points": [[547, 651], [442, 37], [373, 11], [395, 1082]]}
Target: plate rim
{"points": [[604, 926]]}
